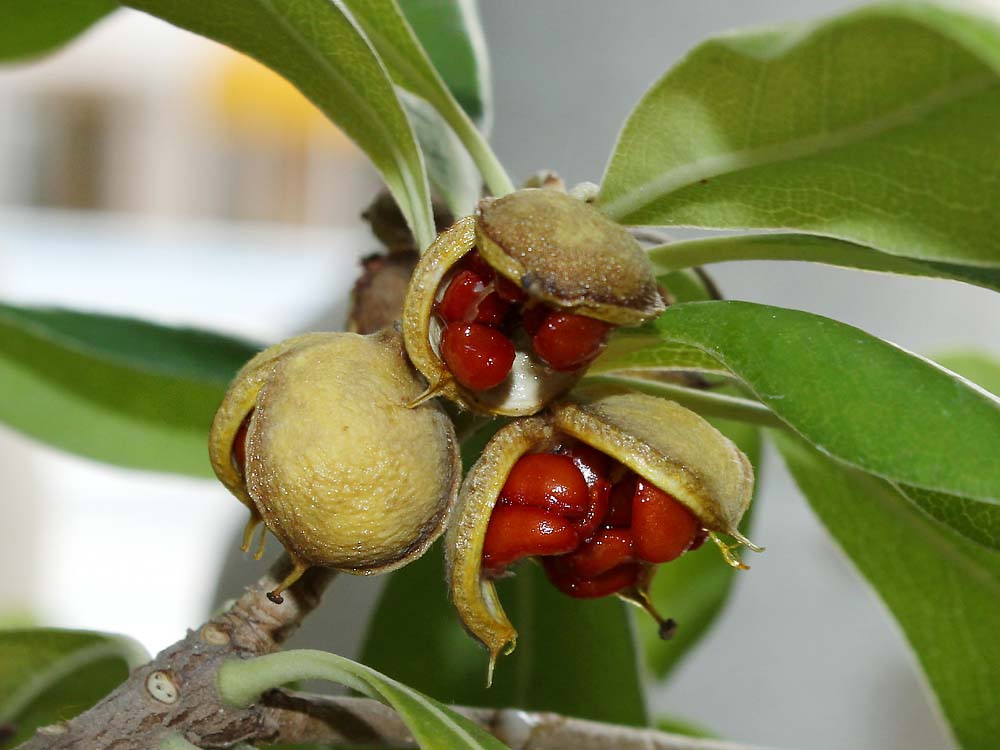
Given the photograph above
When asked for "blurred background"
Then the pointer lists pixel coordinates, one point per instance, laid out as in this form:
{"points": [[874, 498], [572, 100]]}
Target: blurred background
{"points": [[147, 172]]}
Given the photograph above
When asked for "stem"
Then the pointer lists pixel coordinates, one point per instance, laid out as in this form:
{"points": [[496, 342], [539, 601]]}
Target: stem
{"points": [[242, 681], [497, 180], [814, 249], [705, 402]]}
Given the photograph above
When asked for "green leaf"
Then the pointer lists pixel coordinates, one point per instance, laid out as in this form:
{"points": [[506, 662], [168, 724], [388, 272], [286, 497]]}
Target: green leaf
{"points": [[49, 675], [871, 127], [974, 520], [943, 590], [434, 726], [854, 396], [805, 247], [451, 33], [694, 588], [406, 61], [34, 27], [562, 644], [449, 166], [114, 389], [315, 45]]}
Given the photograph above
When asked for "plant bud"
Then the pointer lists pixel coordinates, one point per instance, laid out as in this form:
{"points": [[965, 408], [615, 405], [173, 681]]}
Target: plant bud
{"points": [[332, 460]]}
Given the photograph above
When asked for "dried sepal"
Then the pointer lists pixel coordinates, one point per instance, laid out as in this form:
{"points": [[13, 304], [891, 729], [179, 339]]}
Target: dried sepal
{"points": [[337, 466], [475, 597], [568, 254]]}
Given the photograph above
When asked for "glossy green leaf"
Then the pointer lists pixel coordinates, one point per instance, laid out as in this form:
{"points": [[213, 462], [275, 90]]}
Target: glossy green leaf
{"points": [[872, 127], [449, 166], [34, 27], [434, 726], [115, 389], [805, 247], [315, 45], [400, 50], [49, 675], [694, 588], [854, 396], [451, 33], [974, 520], [562, 644], [943, 590]]}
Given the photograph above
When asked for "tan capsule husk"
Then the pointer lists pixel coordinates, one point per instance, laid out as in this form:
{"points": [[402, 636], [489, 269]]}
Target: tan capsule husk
{"points": [[338, 467], [560, 251], [665, 443]]}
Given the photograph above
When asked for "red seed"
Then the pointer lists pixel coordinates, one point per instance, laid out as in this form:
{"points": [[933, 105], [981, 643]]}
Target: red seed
{"points": [[600, 497], [608, 549], [620, 505], [492, 310], [662, 527], [462, 298], [591, 462], [508, 290], [239, 451], [568, 342], [548, 481], [474, 262], [478, 356], [699, 539], [611, 582], [516, 532], [533, 316]]}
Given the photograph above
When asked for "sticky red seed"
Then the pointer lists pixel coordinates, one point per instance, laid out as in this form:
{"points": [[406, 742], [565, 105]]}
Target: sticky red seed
{"points": [[620, 505], [549, 481], [699, 539], [600, 497], [611, 582], [461, 300], [591, 462], [474, 262], [478, 356], [508, 290], [533, 316], [663, 528], [568, 342], [516, 531], [608, 549], [492, 310]]}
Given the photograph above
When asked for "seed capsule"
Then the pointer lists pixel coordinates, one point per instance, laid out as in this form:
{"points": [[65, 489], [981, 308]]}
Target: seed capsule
{"points": [[548, 274], [335, 463], [640, 478]]}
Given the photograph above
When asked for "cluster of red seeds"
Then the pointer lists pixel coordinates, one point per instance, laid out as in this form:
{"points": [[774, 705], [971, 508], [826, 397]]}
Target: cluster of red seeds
{"points": [[481, 311], [592, 521]]}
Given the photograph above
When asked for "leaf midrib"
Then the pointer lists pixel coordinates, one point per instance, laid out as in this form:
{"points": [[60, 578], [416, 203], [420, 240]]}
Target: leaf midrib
{"points": [[715, 166]]}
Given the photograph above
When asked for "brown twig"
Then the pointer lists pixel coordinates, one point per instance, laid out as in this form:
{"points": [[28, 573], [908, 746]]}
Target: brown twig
{"points": [[337, 721]]}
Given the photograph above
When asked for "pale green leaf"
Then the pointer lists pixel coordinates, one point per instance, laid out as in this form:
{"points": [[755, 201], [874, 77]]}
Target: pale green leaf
{"points": [[434, 726], [854, 396], [943, 590], [874, 127], [449, 166], [806, 247], [451, 33], [49, 675], [115, 389], [314, 44], [975, 520], [406, 61], [34, 27]]}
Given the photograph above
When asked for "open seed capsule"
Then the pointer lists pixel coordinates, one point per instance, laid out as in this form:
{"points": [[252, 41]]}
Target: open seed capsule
{"points": [[316, 438], [600, 493], [507, 308]]}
